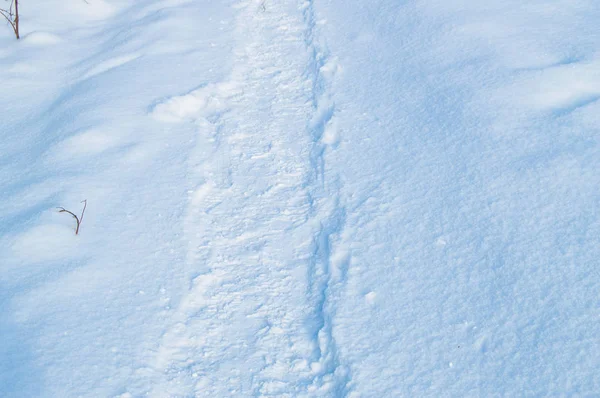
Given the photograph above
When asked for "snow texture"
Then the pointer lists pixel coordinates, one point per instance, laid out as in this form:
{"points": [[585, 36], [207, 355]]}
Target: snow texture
{"points": [[301, 198]]}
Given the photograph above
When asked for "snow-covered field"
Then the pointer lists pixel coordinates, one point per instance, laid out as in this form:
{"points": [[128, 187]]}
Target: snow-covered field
{"points": [[301, 198]]}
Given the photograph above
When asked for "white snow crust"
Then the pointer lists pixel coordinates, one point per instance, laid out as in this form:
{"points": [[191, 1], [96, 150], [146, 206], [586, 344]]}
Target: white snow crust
{"points": [[301, 198]]}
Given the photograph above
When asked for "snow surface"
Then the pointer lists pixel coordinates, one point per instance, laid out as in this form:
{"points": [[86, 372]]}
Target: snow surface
{"points": [[301, 198]]}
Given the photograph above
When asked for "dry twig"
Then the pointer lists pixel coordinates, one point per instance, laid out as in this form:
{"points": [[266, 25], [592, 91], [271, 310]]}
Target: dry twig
{"points": [[12, 17], [79, 220]]}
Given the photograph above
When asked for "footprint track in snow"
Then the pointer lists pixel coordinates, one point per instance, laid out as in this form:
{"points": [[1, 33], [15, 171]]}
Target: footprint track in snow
{"points": [[248, 300]]}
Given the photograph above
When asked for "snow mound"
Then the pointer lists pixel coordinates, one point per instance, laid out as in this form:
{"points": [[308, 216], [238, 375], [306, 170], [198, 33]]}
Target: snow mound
{"points": [[41, 38]]}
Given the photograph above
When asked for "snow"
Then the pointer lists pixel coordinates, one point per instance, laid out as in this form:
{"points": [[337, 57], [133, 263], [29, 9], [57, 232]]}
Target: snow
{"points": [[300, 198]]}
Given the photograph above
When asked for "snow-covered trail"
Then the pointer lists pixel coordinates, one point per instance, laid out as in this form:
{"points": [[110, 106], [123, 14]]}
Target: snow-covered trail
{"points": [[253, 321]]}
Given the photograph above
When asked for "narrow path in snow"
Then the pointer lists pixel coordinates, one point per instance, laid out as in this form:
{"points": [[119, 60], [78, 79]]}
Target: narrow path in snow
{"points": [[256, 320]]}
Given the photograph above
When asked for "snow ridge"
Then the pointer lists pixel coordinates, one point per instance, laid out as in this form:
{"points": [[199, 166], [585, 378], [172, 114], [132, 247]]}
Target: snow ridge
{"points": [[327, 267]]}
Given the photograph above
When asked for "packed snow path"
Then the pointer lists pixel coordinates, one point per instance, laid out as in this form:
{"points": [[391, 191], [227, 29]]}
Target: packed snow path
{"points": [[260, 273], [301, 198]]}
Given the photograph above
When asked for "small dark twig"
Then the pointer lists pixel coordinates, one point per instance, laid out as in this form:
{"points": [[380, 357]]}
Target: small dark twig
{"points": [[12, 18], [79, 220], [7, 14]]}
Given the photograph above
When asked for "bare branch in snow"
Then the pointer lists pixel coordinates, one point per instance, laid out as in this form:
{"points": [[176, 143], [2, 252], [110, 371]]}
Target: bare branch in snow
{"points": [[12, 17], [79, 220]]}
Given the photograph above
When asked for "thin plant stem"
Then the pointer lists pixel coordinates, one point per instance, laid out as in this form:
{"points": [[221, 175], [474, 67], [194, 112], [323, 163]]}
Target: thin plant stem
{"points": [[78, 220]]}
